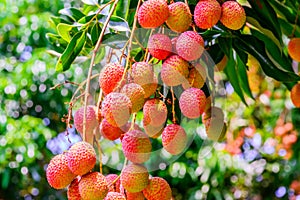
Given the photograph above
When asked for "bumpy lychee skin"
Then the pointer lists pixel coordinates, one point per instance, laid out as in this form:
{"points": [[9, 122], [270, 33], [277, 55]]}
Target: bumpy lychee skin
{"points": [[135, 196], [192, 103], [158, 188], [294, 49], [207, 14], [155, 112], [190, 45], [233, 15], [295, 95], [81, 158], [136, 94], [109, 131], [153, 13], [73, 190], [116, 109], [110, 77], [160, 46], [134, 178], [58, 173], [174, 139], [93, 186], [180, 17], [174, 70], [115, 196], [110, 178], [136, 146], [196, 77]]}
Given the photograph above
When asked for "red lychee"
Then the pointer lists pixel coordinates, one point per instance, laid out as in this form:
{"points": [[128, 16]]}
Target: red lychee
{"points": [[113, 178], [73, 190], [158, 188], [109, 131], [136, 94], [114, 196], [93, 186], [207, 14], [135, 196], [233, 15], [155, 112], [294, 49], [160, 46], [174, 139], [180, 17]]}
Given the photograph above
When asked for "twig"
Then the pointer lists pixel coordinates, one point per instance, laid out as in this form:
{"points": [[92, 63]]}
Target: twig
{"points": [[173, 106]]}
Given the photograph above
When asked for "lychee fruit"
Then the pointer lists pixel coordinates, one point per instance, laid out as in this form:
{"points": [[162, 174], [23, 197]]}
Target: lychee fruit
{"points": [[295, 95], [93, 186], [116, 108], [81, 158], [174, 139], [153, 13], [180, 17], [150, 88], [135, 196], [196, 77], [73, 190], [192, 102], [155, 112], [207, 14], [160, 46], [190, 45], [233, 15], [110, 76], [294, 49], [58, 173], [153, 131], [91, 123], [114, 196], [136, 94], [213, 112], [109, 131], [174, 70], [134, 178], [113, 178], [136, 146], [158, 188]]}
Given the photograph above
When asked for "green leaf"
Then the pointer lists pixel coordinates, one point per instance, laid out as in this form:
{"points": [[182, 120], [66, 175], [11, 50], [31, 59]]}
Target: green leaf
{"points": [[73, 13], [56, 20], [115, 40], [5, 178], [288, 28], [116, 23], [296, 117], [95, 33], [285, 11], [86, 19], [122, 9], [65, 31], [90, 2], [72, 51]]}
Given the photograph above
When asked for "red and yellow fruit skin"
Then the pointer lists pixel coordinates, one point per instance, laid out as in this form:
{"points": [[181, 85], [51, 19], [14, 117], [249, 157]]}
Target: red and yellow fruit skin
{"points": [[295, 95], [136, 94], [136, 146], [233, 15], [81, 158], [294, 49], [93, 186], [174, 139], [158, 188], [174, 70], [116, 109], [153, 13], [135, 196], [153, 131], [180, 17], [134, 178], [196, 77], [110, 76], [110, 178], [160, 46], [207, 14], [114, 196], [58, 173], [73, 190], [109, 131], [190, 45], [155, 112]]}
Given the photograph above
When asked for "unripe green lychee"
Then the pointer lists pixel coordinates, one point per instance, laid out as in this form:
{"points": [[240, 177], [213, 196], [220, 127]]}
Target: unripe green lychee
{"points": [[160, 46], [174, 139], [116, 108], [153, 13], [174, 70], [158, 188], [135, 196], [233, 15], [196, 77], [155, 112], [58, 173], [81, 158], [134, 178], [111, 178], [109, 131], [294, 49], [190, 45], [93, 186], [114, 196], [110, 76], [180, 17], [73, 190], [192, 102], [136, 94], [207, 14], [136, 146]]}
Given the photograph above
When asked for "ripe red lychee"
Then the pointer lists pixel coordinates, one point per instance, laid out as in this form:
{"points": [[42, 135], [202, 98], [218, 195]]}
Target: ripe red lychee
{"points": [[135, 196], [233, 15], [190, 45], [295, 95], [111, 178], [160, 46], [155, 112], [153, 13], [174, 139], [109, 131], [73, 190], [91, 123], [174, 70], [134, 178], [207, 14], [136, 146], [114, 196], [58, 173], [93, 186], [136, 94], [180, 17], [158, 188], [110, 76], [81, 158], [294, 49], [196, 77], [192, 102], [116, 108]]}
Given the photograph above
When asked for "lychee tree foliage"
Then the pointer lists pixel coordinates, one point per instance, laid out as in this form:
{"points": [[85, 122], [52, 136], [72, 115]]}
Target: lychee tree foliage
{"points": [[112, 36]]}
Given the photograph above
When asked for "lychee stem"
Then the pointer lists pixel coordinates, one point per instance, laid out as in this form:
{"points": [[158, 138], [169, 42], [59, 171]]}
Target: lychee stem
{"points": [[173, 106], [295, 25], [132, 121], [98, 106], [100, 156]]}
